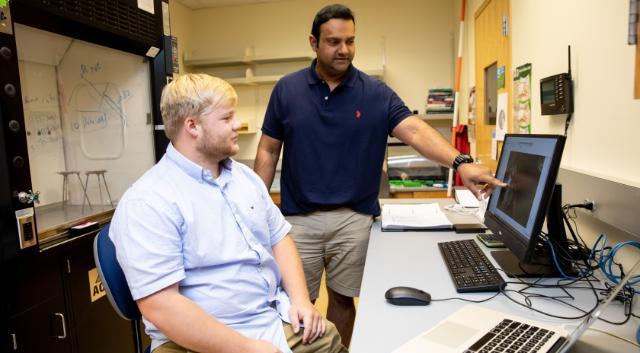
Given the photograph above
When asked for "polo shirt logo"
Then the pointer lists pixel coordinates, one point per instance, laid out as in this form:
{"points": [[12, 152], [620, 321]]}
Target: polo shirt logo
{"points": [[358, 114]]}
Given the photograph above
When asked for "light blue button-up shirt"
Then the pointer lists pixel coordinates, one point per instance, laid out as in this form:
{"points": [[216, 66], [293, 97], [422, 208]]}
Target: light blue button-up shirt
{"points": [[177, 224]]}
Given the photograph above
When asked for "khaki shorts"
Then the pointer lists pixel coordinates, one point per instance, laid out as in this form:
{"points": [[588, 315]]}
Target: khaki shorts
{"points": [[329, 343], [335, 241]]}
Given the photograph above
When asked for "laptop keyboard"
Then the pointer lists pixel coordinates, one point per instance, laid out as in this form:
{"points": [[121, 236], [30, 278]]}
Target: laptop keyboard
{"points": [[512, 337], [470, 269]]}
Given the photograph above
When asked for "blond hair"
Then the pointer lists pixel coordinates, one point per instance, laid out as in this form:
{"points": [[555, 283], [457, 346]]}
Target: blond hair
{"points": [[192, 95]]}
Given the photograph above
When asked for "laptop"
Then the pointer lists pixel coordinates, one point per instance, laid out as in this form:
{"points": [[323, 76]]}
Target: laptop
{"points": [[476, 329]]}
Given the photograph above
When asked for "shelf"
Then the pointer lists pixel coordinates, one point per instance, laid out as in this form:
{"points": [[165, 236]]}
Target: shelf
{"points": [[244, 128], [252, 62], [256, 80], [377, 73], [243, 61], [436, 116], [251, 81]]}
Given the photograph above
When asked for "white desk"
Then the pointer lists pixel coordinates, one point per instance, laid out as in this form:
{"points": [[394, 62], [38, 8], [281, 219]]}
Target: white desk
{"points": [[413, 259]]}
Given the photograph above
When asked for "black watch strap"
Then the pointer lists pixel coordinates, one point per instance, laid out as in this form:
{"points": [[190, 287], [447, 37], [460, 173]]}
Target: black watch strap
{"points": [[461, 159]]}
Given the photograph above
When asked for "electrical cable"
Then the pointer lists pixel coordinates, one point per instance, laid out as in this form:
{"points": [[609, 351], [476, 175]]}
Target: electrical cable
{"points": [[466, 300], [586, 260], [566, 124], [606, 259]]}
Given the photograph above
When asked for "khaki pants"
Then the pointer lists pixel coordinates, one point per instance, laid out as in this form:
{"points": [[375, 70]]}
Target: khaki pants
{"points": [[329, 343], [332, 241]]}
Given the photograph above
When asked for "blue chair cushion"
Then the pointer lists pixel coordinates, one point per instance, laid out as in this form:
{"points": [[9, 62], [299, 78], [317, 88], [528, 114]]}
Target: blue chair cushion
{"points": [[113, 278]]}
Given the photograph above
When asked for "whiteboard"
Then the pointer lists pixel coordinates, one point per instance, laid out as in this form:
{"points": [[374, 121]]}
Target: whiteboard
{"points": [[43, 127], [94, 103]]}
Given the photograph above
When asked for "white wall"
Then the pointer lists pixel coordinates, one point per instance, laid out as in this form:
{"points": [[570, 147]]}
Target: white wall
{"points": [[414, 38], [602, 140], [602, 137], [180, 26]]}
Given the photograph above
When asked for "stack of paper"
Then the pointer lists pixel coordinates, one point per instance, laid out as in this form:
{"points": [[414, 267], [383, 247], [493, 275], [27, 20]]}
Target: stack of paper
{"points": [[414, 217], [466, 198]]}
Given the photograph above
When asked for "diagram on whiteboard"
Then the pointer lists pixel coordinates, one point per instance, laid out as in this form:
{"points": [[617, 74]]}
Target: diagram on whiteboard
{"points": [[98, 116]]}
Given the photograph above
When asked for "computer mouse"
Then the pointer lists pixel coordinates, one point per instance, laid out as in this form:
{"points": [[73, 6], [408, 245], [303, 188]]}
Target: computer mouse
{"points": [[407, 296]]}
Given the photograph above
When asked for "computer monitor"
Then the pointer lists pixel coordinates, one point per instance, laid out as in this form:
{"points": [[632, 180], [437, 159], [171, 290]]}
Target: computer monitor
{"points": [[529, 165]]}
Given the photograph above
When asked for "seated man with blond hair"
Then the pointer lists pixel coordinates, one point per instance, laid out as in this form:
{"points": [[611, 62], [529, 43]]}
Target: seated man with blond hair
{"points": [[206, 253]]}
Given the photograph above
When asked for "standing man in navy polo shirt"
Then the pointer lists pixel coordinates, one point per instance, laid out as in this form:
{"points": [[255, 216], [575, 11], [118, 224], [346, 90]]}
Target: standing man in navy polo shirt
{"points": [[334, 121]]}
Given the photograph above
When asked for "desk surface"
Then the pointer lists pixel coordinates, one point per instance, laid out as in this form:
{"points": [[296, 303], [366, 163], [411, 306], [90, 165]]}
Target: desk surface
{"points": [[413, 259]]}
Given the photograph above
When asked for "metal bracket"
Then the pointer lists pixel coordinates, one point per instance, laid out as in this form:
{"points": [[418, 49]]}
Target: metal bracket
{"points": [[505, 26]]}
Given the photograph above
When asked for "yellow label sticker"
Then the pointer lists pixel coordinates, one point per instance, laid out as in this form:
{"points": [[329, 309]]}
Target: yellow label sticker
{"points": [[96, 289]]}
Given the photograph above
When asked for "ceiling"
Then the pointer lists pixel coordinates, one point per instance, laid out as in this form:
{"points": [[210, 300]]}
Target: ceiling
{"points": [[203, 4]]}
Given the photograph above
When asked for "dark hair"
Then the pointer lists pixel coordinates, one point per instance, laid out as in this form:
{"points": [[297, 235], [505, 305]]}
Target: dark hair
{"points": [[328, 12]]}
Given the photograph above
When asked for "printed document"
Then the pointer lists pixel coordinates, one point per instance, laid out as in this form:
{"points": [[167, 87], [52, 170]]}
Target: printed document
{"points": [[466, 198], [414, 217]]}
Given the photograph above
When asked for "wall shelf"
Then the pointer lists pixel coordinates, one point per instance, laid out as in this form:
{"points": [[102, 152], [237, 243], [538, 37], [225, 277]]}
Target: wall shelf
{"points": [[252, 81], [256, 71], [243, 61], [252, 62], [436, 116]]}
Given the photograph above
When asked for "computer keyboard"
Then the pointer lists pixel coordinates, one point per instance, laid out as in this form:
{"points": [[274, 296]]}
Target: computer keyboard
{"points": [[470, 269], [512, 336]]}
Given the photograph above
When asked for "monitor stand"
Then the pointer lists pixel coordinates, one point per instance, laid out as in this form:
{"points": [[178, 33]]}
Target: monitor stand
{"points": [[514, 268], [542, 264]]}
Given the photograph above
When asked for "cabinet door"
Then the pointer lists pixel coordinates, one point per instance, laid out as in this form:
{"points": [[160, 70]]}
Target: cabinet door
{"points": [[36, 311], [43, 329], [97, 327]]}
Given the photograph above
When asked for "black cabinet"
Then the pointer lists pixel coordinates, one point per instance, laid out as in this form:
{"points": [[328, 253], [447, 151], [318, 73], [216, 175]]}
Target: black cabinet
{"points": [[56, 304], [41, 329], [38, 320], [97, 327]]}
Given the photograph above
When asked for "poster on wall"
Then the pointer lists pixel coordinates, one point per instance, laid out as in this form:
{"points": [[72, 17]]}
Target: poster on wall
{"points": [[471, 117], [522, 99]]}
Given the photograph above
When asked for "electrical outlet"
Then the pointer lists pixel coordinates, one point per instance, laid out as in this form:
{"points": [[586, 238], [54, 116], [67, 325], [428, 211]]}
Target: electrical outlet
{"points": [[592, 208]]}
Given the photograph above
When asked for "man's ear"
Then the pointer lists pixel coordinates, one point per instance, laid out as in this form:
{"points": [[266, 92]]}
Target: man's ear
{"points": [[313, 42], [191, 126]]}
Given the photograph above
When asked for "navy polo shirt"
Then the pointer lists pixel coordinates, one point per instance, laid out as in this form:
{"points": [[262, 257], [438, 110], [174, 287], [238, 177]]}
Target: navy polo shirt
{"points": [[333, 142]]}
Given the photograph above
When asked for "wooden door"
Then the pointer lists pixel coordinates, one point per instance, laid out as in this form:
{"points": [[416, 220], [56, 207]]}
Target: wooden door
{"points": [[493, 51]]}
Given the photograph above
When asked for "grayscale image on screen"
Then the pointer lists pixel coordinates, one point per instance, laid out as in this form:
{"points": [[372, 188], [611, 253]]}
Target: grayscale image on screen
{"points": [[522, 176]]}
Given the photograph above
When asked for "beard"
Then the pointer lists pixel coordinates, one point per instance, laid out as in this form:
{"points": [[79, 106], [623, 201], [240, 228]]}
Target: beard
{"points": [[214, 148]]}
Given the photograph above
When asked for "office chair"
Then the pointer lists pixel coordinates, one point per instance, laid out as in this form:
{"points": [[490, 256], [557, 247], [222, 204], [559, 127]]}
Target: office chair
{"points": [[115, 284]]}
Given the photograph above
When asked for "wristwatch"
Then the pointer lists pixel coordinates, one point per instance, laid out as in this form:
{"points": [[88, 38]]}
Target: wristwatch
{"points": [[461, 159]]}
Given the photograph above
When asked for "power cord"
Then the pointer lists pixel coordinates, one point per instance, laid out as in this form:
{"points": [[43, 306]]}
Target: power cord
{"points": [[587, 204], [466, 300], [566, 124]]}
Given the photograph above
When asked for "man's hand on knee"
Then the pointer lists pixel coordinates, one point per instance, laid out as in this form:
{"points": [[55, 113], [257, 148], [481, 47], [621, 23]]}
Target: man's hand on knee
{"points": [[314, 324]]}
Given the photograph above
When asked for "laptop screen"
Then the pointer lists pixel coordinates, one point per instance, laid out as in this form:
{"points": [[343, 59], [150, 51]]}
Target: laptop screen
{"points": [[589, 320]]}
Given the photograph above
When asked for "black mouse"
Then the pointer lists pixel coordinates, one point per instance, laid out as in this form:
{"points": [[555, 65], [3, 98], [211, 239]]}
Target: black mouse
{"points": [[407, 296]]}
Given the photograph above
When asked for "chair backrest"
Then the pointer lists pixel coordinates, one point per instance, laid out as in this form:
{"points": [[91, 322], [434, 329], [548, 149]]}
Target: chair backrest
{"points": [[113, 280]]}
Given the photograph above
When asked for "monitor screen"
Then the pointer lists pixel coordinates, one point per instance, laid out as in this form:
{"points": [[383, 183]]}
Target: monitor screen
{"points": [[529, 165]]}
